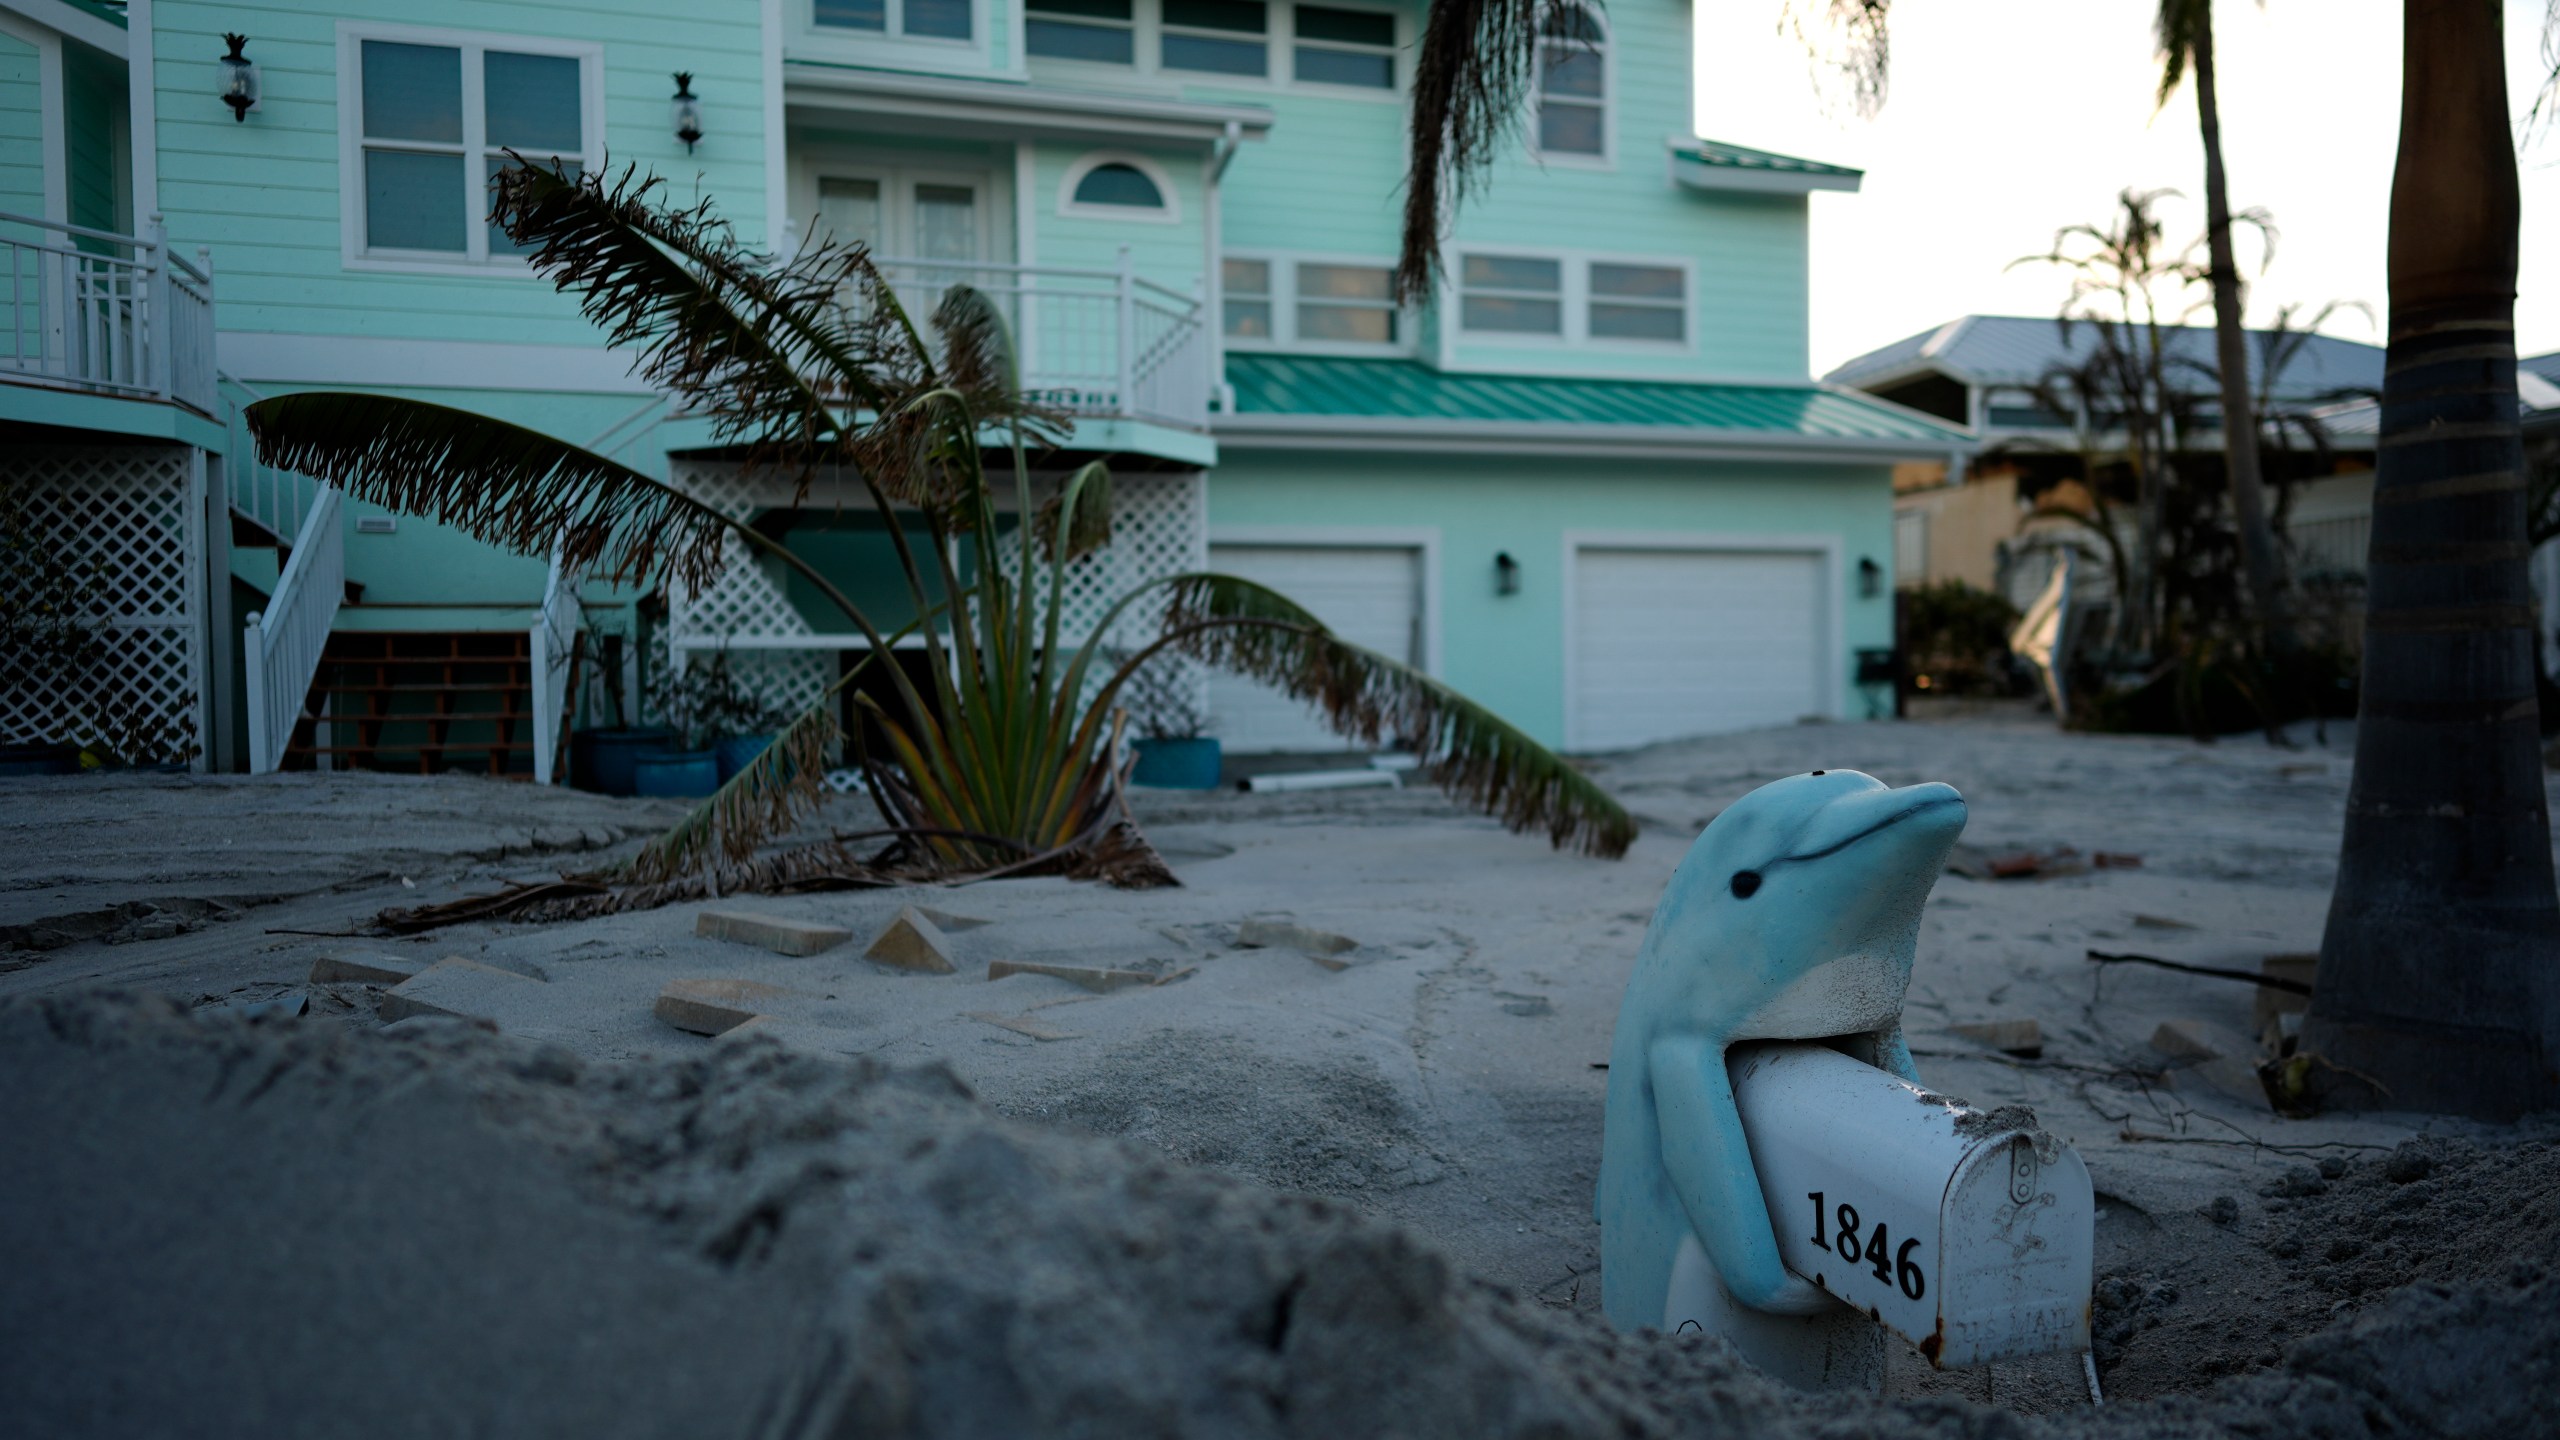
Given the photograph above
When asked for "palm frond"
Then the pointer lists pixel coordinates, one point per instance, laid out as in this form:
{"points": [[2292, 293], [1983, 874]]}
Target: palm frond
{"points": [[1470, 82], [1466, 749], [1849, 46], [504, 484], [1084, 501], [766, 350], [766, 798]]}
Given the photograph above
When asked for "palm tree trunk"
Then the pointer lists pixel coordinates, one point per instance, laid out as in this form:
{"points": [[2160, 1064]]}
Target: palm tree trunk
{"points": [[2239, 416], [2440, 969]]}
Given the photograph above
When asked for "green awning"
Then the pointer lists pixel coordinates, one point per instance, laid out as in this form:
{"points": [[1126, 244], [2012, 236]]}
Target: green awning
{"points": [[1306, 394]]}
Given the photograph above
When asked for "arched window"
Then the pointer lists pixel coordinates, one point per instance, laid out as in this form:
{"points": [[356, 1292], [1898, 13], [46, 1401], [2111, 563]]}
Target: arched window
{"points": [[1119, 184], [1573, 83]]}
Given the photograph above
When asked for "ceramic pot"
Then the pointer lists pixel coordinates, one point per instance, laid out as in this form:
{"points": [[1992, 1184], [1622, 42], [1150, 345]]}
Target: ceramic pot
{"points": [[601, 760], [681, 774], [1177, 764]]}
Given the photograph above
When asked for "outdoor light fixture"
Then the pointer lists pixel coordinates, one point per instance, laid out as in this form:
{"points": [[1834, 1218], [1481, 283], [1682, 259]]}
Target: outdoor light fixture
{"points": [[686, 111], [1506, 574], [1870, 578], [239, 79]]}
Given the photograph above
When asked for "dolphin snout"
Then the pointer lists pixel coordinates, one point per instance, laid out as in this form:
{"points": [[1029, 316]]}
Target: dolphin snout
{"points": [[1926, 814]]}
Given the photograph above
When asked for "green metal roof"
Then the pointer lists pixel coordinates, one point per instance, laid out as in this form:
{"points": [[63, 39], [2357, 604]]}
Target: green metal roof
{"points": [[1742, 157], [1385, 394]]}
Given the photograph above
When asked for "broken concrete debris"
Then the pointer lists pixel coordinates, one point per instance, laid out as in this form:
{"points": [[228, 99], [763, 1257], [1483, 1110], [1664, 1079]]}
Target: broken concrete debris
{"points": [[770, 932], [457, 988], [1975, 863], [1024, 1025], [366, 967], [2020, 1037], [1317, 945], [913, 942], [951, 924], [715, 1005], [1094, 979], [2212, 1055]]}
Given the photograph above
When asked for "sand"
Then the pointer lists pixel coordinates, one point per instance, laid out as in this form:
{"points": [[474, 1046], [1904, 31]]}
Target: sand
{"points": [[1439, 1090]]}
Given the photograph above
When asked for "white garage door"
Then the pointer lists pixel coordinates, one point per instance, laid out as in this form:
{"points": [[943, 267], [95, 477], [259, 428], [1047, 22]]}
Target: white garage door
{"points": [[1368, 595], [1668, 643]]}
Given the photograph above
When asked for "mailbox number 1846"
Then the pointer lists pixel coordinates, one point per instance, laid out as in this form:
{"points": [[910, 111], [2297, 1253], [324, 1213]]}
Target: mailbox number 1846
{"points": [[1836, 1229]]}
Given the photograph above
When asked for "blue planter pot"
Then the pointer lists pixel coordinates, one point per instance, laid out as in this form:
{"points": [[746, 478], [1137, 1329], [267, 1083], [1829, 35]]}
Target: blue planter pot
{"points": [[602, 760], [1177, 764], [678, 774], [738, 752]]}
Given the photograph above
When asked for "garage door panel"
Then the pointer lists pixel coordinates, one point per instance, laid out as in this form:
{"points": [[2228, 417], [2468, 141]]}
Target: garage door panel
{"points": [[1670, 643], [1370, 595]]}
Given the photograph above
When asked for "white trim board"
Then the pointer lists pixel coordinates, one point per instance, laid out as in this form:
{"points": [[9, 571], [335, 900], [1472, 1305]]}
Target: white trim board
{"points": [[256, 356], [1829, 548], [1422, 538], [72, 22], [1532, 437]]}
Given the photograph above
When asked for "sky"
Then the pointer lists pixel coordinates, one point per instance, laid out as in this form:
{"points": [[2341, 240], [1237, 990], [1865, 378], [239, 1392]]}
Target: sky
{"points": [[2007, 119]]}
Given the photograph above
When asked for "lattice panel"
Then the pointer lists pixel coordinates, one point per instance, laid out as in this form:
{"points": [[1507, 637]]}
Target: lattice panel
{"points": [[747, 598], [125, 510], [1159, 527]]}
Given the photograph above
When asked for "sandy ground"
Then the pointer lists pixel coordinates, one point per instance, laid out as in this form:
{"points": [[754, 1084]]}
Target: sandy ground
{"points": [[1445, 1080]]}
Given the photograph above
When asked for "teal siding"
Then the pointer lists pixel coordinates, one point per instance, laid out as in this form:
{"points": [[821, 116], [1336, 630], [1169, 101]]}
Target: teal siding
{"points": [[1170, 255], [1508, 651], [94, 111], [21, 129], [265, 194]]}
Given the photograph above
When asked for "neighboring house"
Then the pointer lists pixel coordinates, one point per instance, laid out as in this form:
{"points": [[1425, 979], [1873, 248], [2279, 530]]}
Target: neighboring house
{"points": [[1589, 482], [1970, 522]]}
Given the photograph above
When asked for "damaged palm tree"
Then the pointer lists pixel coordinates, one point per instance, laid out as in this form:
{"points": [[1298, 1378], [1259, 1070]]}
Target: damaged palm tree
{"points": [[1005, 759]]}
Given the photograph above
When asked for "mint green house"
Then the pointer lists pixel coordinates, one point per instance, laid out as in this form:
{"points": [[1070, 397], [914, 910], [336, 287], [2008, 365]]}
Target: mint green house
{"points": [[1589, 482]]}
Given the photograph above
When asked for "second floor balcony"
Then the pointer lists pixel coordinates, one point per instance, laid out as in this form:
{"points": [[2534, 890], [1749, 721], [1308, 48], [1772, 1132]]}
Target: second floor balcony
{"points": [[1095, 343], [98, 313]]}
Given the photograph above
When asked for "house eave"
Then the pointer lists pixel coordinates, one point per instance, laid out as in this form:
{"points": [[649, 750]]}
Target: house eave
{"points": [[1698, 176], [1410, 435], [998, 108]]}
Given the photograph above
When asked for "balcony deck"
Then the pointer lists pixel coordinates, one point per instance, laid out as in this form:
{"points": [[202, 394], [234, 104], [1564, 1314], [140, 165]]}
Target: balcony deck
{"points": [[106, 332]]}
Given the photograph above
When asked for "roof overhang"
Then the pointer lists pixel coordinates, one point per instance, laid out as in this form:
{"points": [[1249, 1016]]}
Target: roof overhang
{"points": [[1414, 435], [91, 27], [1732, 169], [1000, 110]]}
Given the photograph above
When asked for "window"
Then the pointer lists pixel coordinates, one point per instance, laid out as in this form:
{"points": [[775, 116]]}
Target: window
{"points": [[1639, 302], [1346, 304], [1119, 184], [1573, 84], [1511, 294], [1247, 284], [1223, 37], [431, 127], [1315, 303], [917, 19], [1613, 302], [1345, 47], [1099, 30]]}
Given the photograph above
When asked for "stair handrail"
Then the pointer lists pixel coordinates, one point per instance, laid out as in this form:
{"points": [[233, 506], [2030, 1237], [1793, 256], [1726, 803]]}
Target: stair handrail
{"points": [[554, 649], [282, 643]]}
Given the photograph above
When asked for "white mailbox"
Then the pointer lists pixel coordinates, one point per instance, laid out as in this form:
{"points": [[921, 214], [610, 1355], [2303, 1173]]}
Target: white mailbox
{"points": [[1969, 1232]]}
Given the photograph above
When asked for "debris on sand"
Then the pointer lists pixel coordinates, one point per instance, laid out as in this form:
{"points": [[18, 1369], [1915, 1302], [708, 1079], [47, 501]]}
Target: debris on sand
{"points": [[715, 1005], [1317, 945], [2022, 1037], [770, 932], [1090, 977], [455, 988], [913, 942]]}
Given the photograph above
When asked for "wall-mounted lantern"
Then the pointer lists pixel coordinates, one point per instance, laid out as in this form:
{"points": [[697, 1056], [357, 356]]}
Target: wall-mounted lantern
{"points": [[686, 111], [1870, 578], [239, 79], [1506, 574]]}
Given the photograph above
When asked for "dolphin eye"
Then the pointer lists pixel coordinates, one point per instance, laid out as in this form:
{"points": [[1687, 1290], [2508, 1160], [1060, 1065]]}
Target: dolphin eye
{"points": [[1746, 883]]}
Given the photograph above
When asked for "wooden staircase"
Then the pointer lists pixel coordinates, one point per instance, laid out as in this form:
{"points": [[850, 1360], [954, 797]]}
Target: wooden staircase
{"points": [[420, 701]]}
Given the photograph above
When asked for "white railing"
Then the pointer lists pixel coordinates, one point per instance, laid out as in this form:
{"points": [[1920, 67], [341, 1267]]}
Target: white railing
{"points": [[276, 499], [555, 648], [115, 314], [1103, 343], [282, 644]]}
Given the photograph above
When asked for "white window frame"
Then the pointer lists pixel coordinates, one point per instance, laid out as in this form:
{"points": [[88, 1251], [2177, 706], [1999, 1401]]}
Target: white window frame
{"points": [[1070, 208], [1147, 27], [1396, 66], [893, 44], [353, 251], [1576, 296], [1284, 306], [1137, 41], [1607, 158]]}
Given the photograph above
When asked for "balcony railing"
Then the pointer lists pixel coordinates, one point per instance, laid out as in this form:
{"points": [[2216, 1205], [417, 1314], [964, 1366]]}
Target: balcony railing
{"points": [[1101, 343], [111, 314]]}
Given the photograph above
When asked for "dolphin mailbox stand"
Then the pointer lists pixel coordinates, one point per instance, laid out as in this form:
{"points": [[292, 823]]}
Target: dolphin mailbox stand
{"points": [[1968, 1232]]}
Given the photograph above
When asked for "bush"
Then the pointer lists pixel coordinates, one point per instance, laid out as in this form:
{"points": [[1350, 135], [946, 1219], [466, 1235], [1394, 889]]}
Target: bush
{"points": [[1955, 639]]}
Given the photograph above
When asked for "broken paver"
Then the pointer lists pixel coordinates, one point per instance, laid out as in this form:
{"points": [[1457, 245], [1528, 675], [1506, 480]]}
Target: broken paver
{"points": [[913, 942], [2023, 1037], [950, 923], [366, 967], [796, 1034], [455, 987], [1022, 1026], [1281, 935], [1103, 981], [2213, 1056], [772, 932], [715, 1005]]}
